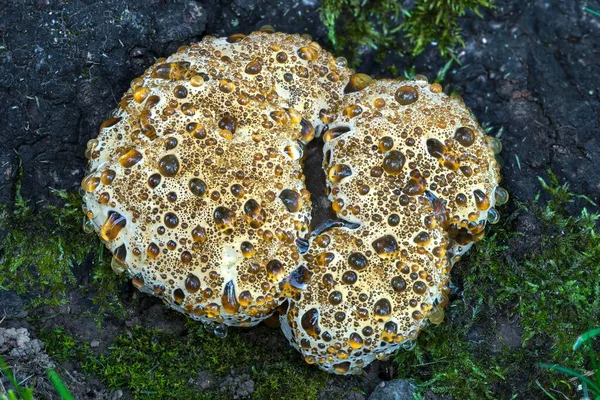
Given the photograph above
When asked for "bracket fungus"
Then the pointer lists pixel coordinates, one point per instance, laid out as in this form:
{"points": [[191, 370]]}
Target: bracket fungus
{"points": [[196, 185]]}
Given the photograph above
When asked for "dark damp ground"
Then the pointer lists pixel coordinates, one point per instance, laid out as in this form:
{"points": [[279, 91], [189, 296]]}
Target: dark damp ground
{"points": [[529, 71]]}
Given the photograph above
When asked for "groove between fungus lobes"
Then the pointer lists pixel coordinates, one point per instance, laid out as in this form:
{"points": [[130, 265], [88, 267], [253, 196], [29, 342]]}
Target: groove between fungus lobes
{"points": [[196, 185]]}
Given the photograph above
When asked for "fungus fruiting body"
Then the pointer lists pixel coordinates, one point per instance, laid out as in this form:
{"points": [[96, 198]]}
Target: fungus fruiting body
{"points": [[196, 185]]}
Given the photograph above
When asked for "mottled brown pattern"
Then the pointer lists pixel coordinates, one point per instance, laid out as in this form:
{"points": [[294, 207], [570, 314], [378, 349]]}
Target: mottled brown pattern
{"points": [[196, 186]]}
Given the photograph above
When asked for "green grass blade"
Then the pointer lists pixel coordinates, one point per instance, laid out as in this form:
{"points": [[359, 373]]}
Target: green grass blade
{"points": [[591, 384], [59, 386], [593, 12], [589, 335]]}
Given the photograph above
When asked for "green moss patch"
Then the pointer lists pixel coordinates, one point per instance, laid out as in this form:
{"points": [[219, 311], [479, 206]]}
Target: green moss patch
{"points": [[385, 25], [546, 297], [154, 364]]}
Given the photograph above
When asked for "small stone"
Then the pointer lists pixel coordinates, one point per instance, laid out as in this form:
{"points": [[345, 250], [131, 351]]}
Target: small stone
{"points": [[397, 389]]}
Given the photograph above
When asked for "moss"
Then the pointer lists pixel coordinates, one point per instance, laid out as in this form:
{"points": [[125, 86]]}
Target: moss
{"points": [[437, 21], [41, 248], [551, 292], [154, 364], [365, 23], [380, 25]]}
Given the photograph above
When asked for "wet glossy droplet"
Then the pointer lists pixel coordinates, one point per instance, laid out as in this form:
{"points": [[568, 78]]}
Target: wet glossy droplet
{"points": [[253, 67], [335, 132], [108, 176], [130, 158], [220, 331], [349, 277], [197, 187], [171, 220], [493, 216], [436, 316], [398, 284], [310, 323], [435, 148], [385, 144], [339, 172], [342, 368], [501, 196], [393, 162], [152, 251], [228, 299], [114, 223], [173, 70], [355, 341], [90, 183], [168, 165], [223, 217], [382, 310], [419, 287], [275, 270], [178, 296], [465, 136], [358, 261], [494, 144], [386, 246], [199, 234], [481, 200], [291, 200], [138, 281], [357, 83], [406, 95]]}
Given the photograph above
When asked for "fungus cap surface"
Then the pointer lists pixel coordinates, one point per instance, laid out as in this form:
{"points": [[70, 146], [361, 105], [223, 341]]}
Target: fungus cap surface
{"points": [[196, 185]]}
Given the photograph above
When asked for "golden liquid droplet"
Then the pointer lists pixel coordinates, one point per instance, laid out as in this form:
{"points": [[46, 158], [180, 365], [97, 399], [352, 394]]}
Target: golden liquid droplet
{"points": [[112, 226], [465, 136], [108, 176], [178, 296], [197, 80], [481, 200], [90, 183], [390, 330], [355, 341], [393, 162], [406, 95], [247, 249], [339, 172], [310, 323], [383, 310], [308, 53], [334, 133], [118, 263], [173, 70], [130, 158], [436, 316], [138, 281], [228, 300], [357, 83], [386, 246], [436, 88], [245, 298], [253, 67], [342, 368], [140, 93], [291, 200], [168, 165]]}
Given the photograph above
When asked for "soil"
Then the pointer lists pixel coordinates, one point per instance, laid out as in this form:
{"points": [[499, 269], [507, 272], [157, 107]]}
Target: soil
{"points": [[529, 71]]}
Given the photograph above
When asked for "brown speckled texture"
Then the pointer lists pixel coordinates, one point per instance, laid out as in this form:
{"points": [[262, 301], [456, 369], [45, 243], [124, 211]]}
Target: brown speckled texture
{"points": [[196, 186]]}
